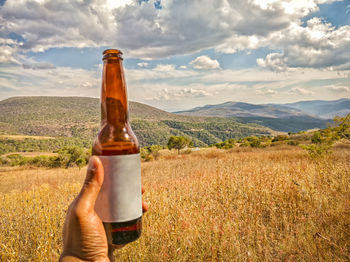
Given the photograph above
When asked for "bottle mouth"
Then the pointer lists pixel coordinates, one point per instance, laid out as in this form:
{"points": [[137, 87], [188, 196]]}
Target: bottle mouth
{"points": [[112, 53]]}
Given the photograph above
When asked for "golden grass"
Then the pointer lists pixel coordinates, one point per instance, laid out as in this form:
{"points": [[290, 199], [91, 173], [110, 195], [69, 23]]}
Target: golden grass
{"points": [[32, 154], [213, 205], [21, 137]]}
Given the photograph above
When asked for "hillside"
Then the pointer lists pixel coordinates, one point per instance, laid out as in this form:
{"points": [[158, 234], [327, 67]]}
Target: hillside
{"points": [[313, 108], [288, 124], [80, 116], [239, 109]]}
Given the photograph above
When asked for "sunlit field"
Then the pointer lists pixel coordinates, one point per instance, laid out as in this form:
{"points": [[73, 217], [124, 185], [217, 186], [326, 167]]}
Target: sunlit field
{"points": [[247, 204]]}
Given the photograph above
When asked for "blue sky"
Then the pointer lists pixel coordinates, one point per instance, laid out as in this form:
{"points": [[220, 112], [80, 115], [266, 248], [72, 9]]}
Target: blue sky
{"points": [[179, 54]]}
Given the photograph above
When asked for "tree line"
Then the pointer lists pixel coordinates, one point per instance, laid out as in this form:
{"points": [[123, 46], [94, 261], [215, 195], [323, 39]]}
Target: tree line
{"points": [[76, 152]]}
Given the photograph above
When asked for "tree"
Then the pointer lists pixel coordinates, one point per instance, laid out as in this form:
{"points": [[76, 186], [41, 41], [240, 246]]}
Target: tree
{"points": [[343, 127], [323, 140], [179, 142], [73, 155], [149, 153], [316, 138]]}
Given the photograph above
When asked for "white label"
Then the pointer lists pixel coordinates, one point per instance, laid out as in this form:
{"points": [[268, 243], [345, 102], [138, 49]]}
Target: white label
{"points": [[120, 197]]}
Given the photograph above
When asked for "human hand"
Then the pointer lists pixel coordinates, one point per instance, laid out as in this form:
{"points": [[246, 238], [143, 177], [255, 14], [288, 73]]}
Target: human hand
{"points": [[84, 237]]}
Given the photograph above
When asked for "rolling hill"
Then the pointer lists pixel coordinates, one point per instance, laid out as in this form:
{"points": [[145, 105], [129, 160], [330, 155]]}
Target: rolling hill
{"points": [[239, 109], [80, 116], [292, 117]]}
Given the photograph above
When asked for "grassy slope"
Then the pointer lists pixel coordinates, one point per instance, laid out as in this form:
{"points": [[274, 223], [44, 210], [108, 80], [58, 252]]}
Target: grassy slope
{"points": [[290, 124], [80, 116]]}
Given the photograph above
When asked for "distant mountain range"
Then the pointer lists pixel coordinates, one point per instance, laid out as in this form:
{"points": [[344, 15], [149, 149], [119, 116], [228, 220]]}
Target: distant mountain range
{"points": [[240, 109], [80, 117], [323, 109], [315, 109], [291, 117]]}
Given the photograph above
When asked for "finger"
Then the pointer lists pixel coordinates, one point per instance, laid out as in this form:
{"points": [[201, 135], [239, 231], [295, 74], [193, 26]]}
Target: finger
{"points": [[110, 253], [144, 204], [92, 185], [144, 207]]}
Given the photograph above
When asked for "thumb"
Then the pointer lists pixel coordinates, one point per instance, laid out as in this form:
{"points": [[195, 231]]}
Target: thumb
{"points": [[92, 185]]}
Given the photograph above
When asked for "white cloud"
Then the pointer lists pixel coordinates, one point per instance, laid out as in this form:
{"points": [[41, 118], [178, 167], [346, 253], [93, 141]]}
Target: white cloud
{"points": [[266, 92], [300, 91], [174, 89], [165, 94], [205, 62], [142, 64], [6, 53], [112, 4], [50, 23], [274, 61], [240, 42], [317, 45], [340, 89], [38, 66], [159, 72], [61, 81], [164, 68], [180, 27]]}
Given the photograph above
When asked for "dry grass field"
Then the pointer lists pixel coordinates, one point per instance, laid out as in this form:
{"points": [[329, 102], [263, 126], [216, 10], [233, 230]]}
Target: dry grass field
{"points": [[272, 204], [21, 137]]}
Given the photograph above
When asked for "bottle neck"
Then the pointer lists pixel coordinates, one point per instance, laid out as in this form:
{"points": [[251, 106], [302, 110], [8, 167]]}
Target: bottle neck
{"points": [[114, 103]]}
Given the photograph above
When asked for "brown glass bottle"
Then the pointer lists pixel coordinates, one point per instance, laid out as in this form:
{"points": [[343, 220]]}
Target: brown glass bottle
{"points": [[116, 137]]}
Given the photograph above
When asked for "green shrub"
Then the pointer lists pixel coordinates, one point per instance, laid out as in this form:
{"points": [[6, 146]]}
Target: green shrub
{"points": [[68, 156], [16, 160], [317, 150], [150, 153], [316, 138], [280, 138], [255, 143], [179, 142], [72, 156], [293, 143], [186, 151]]}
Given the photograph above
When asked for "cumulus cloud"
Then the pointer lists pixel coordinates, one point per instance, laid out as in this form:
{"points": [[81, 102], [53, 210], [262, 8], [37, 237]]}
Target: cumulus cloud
{"points": [[164, 68], [205, 62], [142, 64], [60, 81], [8, 49], [166, 95], [159, 72], [340, 89], [273, 61], [46, 24], [188, 26], [300, 91], [6, 53], [266, 92], [39, 66], [317, 45], [179, 27]]}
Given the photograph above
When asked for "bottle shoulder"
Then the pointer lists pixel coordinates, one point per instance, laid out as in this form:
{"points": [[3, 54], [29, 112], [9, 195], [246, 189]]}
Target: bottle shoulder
{"points": [[115, 140]]}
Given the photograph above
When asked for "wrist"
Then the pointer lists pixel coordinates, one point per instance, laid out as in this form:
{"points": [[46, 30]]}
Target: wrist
{"points": [[70, 258]]}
